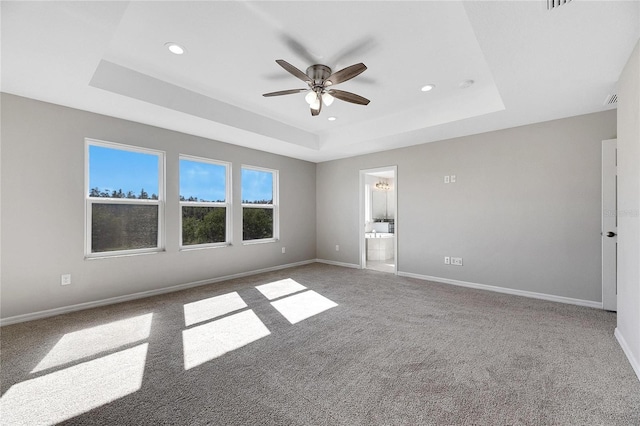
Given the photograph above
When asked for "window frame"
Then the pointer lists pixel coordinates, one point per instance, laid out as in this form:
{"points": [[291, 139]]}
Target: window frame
{"points": [[89, 201], [275, 206], [227, 204]]}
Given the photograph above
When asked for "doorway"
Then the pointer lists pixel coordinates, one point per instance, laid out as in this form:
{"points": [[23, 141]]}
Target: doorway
{"points": [[609, 225], [379, 219]]}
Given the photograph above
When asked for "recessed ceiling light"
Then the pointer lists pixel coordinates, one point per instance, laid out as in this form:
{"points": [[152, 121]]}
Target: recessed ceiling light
{"points": [[175, 48], [428, 87], [466, 83], [332, 118]]}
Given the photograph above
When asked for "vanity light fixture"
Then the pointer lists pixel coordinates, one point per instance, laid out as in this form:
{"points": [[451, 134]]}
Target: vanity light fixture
{"points": [[383, 186], [175, 48]]}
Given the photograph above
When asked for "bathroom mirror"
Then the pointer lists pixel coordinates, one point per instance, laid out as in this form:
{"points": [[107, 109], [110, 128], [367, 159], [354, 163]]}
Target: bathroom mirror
{"points": [[382, 204]]}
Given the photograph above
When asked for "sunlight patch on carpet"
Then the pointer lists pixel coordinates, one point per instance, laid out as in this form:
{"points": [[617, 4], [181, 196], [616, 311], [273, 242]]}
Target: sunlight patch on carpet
{"points": [[211, 340], [280, 288], [302, 306], [66, 393], [213, 307], [92, 341]]}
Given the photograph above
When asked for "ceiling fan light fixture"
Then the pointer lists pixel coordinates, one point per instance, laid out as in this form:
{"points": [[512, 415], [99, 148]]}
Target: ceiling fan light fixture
{"points": [[327, 99], [311, 97], [315, 105], [175, 48]]}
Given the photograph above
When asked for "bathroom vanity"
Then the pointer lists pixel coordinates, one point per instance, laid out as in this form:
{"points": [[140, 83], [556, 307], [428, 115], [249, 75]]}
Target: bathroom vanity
{"points": [[380, 245]]}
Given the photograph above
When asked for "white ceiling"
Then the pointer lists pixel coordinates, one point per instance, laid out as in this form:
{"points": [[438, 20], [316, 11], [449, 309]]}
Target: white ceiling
{"points": [[529, 65]]}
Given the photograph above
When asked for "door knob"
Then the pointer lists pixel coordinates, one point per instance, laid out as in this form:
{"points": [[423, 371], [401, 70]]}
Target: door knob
{"points": [[611, 234]]}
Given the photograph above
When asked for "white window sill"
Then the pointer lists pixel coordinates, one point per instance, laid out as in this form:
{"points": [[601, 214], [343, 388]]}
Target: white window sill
{"points": [[254, 242], [106, 255], [205, 246]]}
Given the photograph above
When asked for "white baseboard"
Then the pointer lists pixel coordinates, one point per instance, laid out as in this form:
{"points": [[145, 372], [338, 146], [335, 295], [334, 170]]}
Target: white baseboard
{"points": [[627, 351], [531, 294], [118, 299], [334, 263]]}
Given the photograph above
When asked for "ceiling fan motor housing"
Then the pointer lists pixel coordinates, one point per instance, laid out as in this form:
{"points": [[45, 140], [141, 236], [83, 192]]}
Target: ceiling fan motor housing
{"points": [[318, 73]]}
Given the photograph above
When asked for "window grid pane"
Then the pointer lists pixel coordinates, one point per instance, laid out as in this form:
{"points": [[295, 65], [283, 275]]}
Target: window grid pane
{"points": [[203, 181], [203, 225], [122, 173], [257, 223], [257, 186], [117, 227]]}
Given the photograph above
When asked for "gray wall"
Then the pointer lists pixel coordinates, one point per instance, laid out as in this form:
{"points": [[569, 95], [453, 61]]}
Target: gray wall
{"points": [[629, 207], [43, 210], [524, 212]]}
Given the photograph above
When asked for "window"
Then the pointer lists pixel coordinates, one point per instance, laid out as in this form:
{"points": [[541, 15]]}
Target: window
{"points": [[259, 204], [205, 202], [124, 189]]}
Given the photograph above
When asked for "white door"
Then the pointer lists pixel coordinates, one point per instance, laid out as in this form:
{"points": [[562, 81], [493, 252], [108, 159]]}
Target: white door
{"points": [[609, 225]]}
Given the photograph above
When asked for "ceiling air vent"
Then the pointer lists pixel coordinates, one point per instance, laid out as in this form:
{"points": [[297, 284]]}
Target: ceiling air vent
{"points": [[611, 99], [552, 4]]}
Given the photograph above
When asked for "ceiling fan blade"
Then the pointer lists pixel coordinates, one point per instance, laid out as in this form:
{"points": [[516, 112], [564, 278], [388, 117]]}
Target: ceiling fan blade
{"points": [[355, 49], [348, 97], [299, 49], [293, 70], [345, 74], [285, 92]]}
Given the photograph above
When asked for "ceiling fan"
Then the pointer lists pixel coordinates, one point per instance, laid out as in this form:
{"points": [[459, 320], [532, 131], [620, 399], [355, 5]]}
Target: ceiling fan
{"points": [[320, 80]]}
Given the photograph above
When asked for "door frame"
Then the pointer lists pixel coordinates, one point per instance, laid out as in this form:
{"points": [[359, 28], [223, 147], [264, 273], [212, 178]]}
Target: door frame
{"points": [[363, 247], [609, 222]]}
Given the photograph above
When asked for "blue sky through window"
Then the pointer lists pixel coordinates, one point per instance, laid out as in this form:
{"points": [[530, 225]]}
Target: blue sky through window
{"points": [[257, 185], [204, 181], [112, 169]]}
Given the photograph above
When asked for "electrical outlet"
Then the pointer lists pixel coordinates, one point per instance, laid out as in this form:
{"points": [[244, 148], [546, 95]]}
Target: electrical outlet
{"points": [[456, 261], [65, 279], [446, 179], [446, 260], [283, 250], [337, 247]]}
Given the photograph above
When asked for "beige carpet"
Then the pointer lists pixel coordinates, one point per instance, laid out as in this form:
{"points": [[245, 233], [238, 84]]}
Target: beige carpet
{"points": [[319, 345]]}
